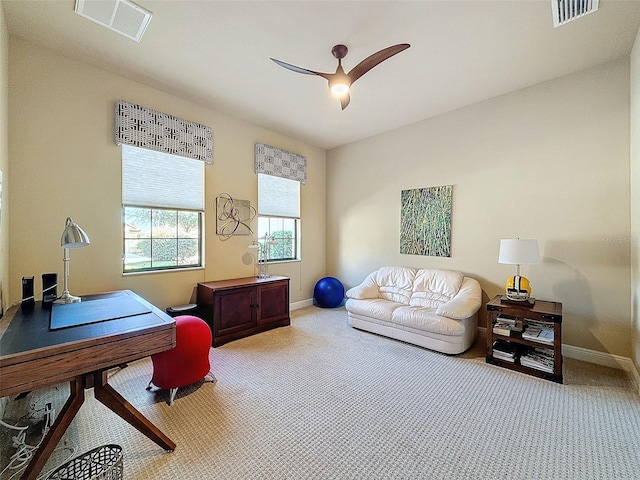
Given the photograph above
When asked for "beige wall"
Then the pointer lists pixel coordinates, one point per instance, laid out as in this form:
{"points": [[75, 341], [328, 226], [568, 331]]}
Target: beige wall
{"points": [[4, 163], [64, 163], [635, 201], [549, 162]]}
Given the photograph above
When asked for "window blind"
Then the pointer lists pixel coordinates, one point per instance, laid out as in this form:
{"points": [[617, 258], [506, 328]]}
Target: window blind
{"points": [[278, 197], [157, 179]]}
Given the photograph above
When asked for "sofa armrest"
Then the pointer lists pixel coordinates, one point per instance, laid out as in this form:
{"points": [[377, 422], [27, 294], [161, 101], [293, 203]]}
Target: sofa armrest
{"points": [[363, 291], [465, 304]]}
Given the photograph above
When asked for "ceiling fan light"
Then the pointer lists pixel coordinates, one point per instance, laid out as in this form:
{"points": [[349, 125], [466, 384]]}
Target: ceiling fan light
{"points": [[340, 89]]}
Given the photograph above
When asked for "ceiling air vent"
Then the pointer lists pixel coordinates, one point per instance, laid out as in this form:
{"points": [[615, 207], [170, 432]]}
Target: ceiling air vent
{"points": [[121, 16], [566, 10]]}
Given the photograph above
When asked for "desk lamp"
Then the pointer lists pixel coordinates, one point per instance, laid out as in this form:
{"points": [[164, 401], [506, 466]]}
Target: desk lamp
{"points": [[72, 237], [516, 251]]}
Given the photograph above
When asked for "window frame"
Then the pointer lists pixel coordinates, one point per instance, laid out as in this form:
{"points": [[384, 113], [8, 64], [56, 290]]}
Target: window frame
{"points": [[295, 240], [177, 238]]}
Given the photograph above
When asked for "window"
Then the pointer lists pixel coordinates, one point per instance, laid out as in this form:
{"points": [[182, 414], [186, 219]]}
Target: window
{"points": [[163, 203], [160, 239], [279, 217]]}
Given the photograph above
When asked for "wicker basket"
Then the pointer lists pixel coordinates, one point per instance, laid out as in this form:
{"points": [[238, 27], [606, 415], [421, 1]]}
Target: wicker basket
{"points": [[101, 463]]}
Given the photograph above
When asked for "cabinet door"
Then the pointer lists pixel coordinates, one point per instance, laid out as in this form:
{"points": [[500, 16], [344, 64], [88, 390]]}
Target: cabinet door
{"points": [[233, 310], [273, 302]]}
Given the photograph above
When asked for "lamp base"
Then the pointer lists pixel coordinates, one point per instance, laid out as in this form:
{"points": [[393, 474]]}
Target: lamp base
{"points": [[65, 298], [263, 270], [518, 288]]}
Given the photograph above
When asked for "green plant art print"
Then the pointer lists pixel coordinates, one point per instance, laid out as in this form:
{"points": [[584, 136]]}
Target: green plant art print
{"points": [[425, 221]]}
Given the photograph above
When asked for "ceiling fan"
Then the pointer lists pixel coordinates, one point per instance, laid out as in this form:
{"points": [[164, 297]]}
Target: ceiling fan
{"points": [[340, 82]]}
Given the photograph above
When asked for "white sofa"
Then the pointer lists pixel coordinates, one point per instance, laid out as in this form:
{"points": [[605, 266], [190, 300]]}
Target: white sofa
{"points": [[436, 309]]}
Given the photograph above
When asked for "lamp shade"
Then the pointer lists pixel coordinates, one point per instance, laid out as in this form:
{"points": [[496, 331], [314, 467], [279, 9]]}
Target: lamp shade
{"points": [[516, 251], [73, 236]]}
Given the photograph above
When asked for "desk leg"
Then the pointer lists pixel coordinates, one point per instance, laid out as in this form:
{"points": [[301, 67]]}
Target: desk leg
{"points": [[63, 420], [116, 402]]}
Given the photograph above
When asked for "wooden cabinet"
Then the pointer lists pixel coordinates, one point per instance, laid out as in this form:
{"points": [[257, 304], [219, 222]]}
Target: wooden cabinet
{"points": [[521, 340], [241, 307]]}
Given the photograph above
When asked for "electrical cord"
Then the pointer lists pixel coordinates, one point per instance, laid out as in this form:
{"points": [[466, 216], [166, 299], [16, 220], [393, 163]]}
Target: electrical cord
{"points": [[24, 452], [17, 441]]}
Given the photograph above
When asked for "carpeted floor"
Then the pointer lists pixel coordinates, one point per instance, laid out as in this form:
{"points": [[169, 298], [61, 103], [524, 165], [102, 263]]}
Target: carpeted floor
{"points": [[320, 400]]}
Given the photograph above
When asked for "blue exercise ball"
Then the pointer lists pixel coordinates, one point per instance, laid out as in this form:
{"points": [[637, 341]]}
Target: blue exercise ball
{"points": [[328, 292]]}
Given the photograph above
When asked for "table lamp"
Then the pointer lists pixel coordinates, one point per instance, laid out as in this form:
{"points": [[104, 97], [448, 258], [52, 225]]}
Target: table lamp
{"points": [[262, 245], [72, 237], [516, 251]]}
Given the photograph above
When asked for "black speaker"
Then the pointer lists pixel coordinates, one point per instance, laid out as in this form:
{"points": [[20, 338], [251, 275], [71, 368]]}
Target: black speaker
{"points": [[28, 299], [49, 288]]}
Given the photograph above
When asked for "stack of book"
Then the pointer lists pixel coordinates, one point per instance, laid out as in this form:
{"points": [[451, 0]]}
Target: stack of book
{"points": [[538, 358], [538, 332], [501, 328], [506, 324], [504, 350]]}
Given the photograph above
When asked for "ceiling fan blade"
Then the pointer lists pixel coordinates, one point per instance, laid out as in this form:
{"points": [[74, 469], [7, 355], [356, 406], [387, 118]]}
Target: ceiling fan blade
{"points": [[372, 60], [344, 100], [293, 68]]}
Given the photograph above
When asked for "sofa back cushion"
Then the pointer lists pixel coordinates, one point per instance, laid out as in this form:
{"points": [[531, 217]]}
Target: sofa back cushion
{"points": [[395, 283], [432, 288]]}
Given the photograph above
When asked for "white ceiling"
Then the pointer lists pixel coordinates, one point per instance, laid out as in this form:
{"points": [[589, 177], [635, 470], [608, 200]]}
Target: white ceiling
{"points": [[217, 54]]}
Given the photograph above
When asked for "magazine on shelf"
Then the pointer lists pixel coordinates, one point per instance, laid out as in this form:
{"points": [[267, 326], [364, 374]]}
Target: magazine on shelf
{"points": [[537, 324], [504, 350], [545, 352], [546, 335], [538, 332], [526, 362], [504, 357], [531, 333], [538, 358]]}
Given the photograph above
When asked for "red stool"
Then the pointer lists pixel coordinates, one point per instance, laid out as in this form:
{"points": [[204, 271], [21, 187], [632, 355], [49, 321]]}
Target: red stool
{"points": [[188, 361]]}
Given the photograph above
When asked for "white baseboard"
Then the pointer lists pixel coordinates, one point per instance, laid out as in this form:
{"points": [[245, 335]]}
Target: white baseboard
{"points": [[301, 304], [604, 359], [599, 358]]}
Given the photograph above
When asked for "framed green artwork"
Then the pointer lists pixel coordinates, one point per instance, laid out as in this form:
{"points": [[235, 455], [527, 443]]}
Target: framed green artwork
{"points": [[425, 221]]}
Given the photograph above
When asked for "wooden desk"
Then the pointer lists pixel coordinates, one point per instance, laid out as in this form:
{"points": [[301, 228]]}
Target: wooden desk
{"points": [[34, 356]]}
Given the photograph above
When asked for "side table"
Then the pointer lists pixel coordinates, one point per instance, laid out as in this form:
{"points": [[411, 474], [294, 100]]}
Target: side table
{"points": [[511, 337]]}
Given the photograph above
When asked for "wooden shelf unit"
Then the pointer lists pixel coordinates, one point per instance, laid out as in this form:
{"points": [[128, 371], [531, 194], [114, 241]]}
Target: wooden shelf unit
{"points": [[241, 307], [542, 311]]}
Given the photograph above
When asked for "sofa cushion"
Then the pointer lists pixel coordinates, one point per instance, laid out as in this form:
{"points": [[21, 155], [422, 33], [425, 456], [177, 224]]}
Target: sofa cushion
{"points": [[466, 303], [432, 288], [395, 283], [366, 290], [426, 320], [376, 308]]}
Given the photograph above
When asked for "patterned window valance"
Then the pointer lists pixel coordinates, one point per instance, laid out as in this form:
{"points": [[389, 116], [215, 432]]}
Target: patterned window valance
{"points": [[146, 128], [280, 163]]}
